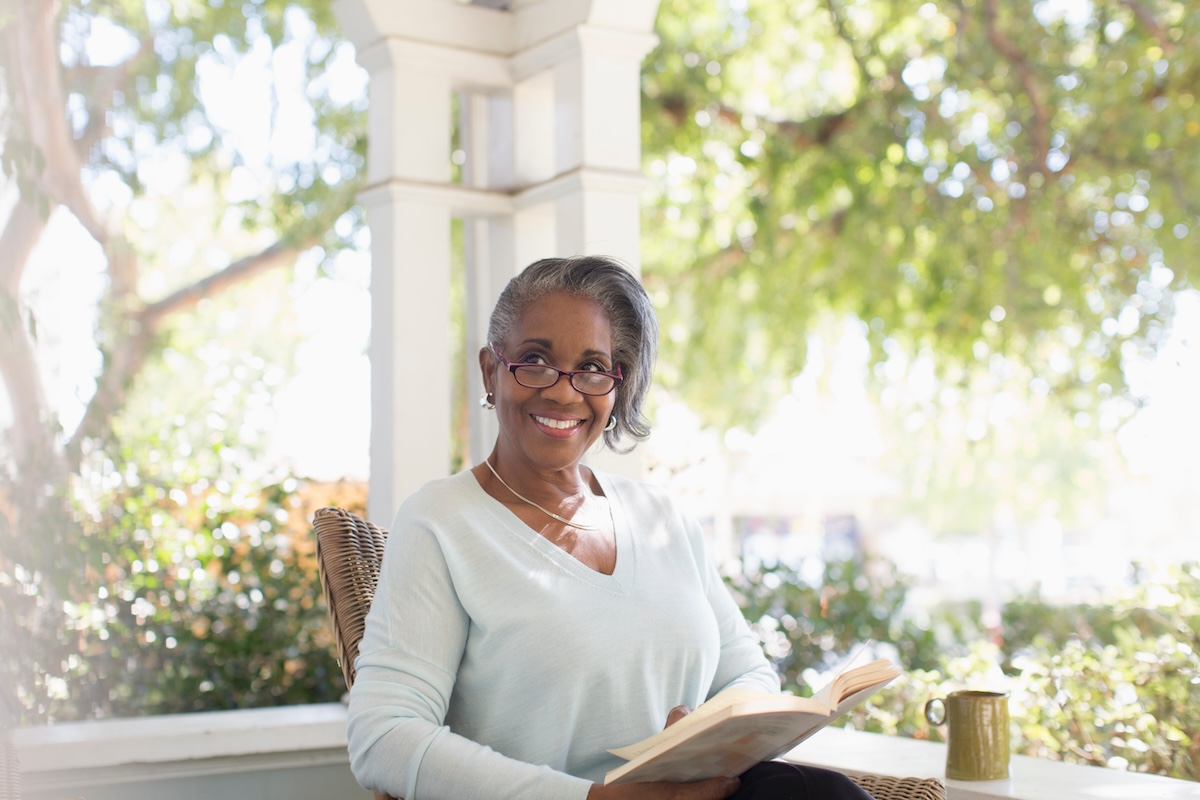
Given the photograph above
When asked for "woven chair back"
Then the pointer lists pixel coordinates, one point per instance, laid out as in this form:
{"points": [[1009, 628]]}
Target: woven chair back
{"points": [[349, 552], [10, 771]]}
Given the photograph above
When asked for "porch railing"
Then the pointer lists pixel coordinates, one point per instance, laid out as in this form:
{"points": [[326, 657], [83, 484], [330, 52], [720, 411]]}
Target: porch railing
{"points": [[299, 753]]}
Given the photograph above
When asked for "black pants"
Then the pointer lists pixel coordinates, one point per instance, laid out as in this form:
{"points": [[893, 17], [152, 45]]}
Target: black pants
{"points": [[775, 780]]}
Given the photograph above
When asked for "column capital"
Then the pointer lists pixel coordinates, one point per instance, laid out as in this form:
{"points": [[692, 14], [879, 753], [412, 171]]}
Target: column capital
{"points": [[582, 41], [466, 69], [538, 20], [447, 22], [504, 32], [580, 181]]}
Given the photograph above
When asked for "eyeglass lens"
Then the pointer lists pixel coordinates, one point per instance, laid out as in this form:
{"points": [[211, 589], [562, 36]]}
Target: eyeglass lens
{"points": [[535, 376]]}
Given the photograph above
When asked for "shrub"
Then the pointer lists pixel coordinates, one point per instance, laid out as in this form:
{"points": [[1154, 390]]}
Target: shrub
{"points": [[1115, 685]]}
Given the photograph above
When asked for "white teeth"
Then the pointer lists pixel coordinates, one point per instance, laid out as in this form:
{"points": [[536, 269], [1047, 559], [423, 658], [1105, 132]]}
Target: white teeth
{"points": [[560, 424]]}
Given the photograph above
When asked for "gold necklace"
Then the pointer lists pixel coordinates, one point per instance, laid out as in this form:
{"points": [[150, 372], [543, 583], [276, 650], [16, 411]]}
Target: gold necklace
{"points": [[545, 511]]}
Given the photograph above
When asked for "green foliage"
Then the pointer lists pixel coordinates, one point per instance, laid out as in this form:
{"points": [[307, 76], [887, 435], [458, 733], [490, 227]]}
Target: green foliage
{"points": [[972, 180], [146, 557], [808, 625], [195, 600], [185, 578], [1114, 685], [154, 105], [1118, 684], [1158, 605]]}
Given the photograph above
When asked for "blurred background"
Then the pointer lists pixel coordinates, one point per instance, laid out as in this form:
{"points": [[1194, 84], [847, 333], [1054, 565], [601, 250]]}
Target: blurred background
{"points": [[927, 278]]}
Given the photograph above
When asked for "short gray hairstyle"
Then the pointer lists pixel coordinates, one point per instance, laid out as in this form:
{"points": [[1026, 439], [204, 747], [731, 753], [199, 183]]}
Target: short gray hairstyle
{"points": [[612, 286]]}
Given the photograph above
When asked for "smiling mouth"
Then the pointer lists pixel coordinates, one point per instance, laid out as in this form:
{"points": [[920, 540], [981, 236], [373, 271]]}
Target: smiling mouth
{"points": [[558, 424]]}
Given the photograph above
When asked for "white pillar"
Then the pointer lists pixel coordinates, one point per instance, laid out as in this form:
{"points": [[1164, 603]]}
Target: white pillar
{"points": [[581, 180], [486, 132], [409, 350], [409, 126]]}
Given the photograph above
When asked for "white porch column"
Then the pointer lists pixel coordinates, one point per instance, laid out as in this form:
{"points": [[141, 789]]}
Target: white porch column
{"points": [[409, 127], [583, 174], [418, 53]]}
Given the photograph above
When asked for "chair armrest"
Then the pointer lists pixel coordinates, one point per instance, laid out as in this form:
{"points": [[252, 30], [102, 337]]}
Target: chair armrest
{"points": [[884, 787]]}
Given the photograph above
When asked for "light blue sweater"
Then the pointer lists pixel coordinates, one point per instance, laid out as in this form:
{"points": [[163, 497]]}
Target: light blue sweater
{"points": [[495, 665]]}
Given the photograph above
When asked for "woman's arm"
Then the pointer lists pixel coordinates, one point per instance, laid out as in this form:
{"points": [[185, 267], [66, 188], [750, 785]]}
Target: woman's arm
{"points": [[742, 662], [409, 656]]}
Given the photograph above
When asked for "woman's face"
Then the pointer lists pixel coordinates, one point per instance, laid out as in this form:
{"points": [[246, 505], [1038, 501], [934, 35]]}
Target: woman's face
{"points": [[551, 427]]}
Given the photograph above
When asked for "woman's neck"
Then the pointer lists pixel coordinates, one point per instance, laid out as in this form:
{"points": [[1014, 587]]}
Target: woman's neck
{"points": [[540, 484]]}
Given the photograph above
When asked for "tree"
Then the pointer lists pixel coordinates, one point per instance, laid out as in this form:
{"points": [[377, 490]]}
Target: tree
{"points": [[973, 180], [79, 133], [119, 115]]}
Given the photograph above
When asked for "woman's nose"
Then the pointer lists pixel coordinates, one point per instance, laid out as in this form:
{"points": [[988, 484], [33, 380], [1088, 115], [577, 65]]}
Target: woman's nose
{"points": [[562, 390]]}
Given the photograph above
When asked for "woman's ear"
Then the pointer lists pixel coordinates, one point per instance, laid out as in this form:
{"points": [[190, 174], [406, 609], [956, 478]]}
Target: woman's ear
{"points": [[487, 364]]}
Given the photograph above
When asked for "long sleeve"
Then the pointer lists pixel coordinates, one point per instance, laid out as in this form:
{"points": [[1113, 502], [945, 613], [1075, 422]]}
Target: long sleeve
{"points": [[742, 662], [409, 656]]}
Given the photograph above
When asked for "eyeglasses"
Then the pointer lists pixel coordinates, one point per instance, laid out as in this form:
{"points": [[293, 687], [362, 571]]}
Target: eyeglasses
{"points": [[541, 376]]}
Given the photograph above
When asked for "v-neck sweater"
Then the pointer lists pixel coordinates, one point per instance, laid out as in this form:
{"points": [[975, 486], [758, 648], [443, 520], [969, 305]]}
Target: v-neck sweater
{"points": [[496, 665]]}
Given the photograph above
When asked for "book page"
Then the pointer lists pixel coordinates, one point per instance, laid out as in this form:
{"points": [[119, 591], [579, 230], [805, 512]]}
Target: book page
{"points": [[876, 673], [826, 693], [843, 708]]}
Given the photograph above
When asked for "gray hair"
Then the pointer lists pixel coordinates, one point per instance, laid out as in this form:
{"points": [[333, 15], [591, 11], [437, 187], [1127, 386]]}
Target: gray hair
{"points": [[613, 287]]}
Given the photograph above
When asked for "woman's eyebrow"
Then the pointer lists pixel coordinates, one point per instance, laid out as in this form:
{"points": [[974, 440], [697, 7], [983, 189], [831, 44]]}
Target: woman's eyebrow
{"points": [[548, 345]]}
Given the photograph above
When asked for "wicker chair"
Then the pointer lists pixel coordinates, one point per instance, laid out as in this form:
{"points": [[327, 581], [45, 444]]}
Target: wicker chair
{"points": [[885, 787], [10, 771], [349, 551]]}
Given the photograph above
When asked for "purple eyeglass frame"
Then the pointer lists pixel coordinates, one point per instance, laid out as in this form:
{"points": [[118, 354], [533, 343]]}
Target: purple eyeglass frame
{"points": [[570, 373]]}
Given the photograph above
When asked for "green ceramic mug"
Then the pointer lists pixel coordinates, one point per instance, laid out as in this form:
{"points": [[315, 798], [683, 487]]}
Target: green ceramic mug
{"points": [[977, 723]]}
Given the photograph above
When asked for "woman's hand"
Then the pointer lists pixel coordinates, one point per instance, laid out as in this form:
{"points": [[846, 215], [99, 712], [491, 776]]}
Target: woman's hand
{"points": [[711, 789], [677, 713]]}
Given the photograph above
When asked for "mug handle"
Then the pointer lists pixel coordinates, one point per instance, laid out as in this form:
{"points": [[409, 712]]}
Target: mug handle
{"points": [[935, 711]]}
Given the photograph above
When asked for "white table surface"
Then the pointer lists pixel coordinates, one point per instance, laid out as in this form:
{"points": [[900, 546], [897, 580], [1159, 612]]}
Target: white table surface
{"points": [[1032, 778]]}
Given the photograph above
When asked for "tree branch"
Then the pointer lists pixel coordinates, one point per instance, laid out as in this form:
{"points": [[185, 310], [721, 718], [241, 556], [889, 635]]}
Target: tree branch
{"points": [[1146, 17], [30, 433], [98, 85], [1183, 198], [1039, 122], [126, 358], [812, 132], [121, 364], [848, 38], [21, 232], [239, 271], [39, 98]]}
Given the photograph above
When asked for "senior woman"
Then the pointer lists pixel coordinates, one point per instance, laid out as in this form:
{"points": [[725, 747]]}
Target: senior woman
{"points": [[533, 612]]}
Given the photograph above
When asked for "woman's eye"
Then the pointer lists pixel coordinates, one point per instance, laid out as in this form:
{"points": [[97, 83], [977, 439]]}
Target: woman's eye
{"points": [[594, 367], [534, 358]]}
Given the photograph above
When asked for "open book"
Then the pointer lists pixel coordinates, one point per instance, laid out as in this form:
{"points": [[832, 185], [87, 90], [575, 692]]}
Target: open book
{"points": [[737, 728]]}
